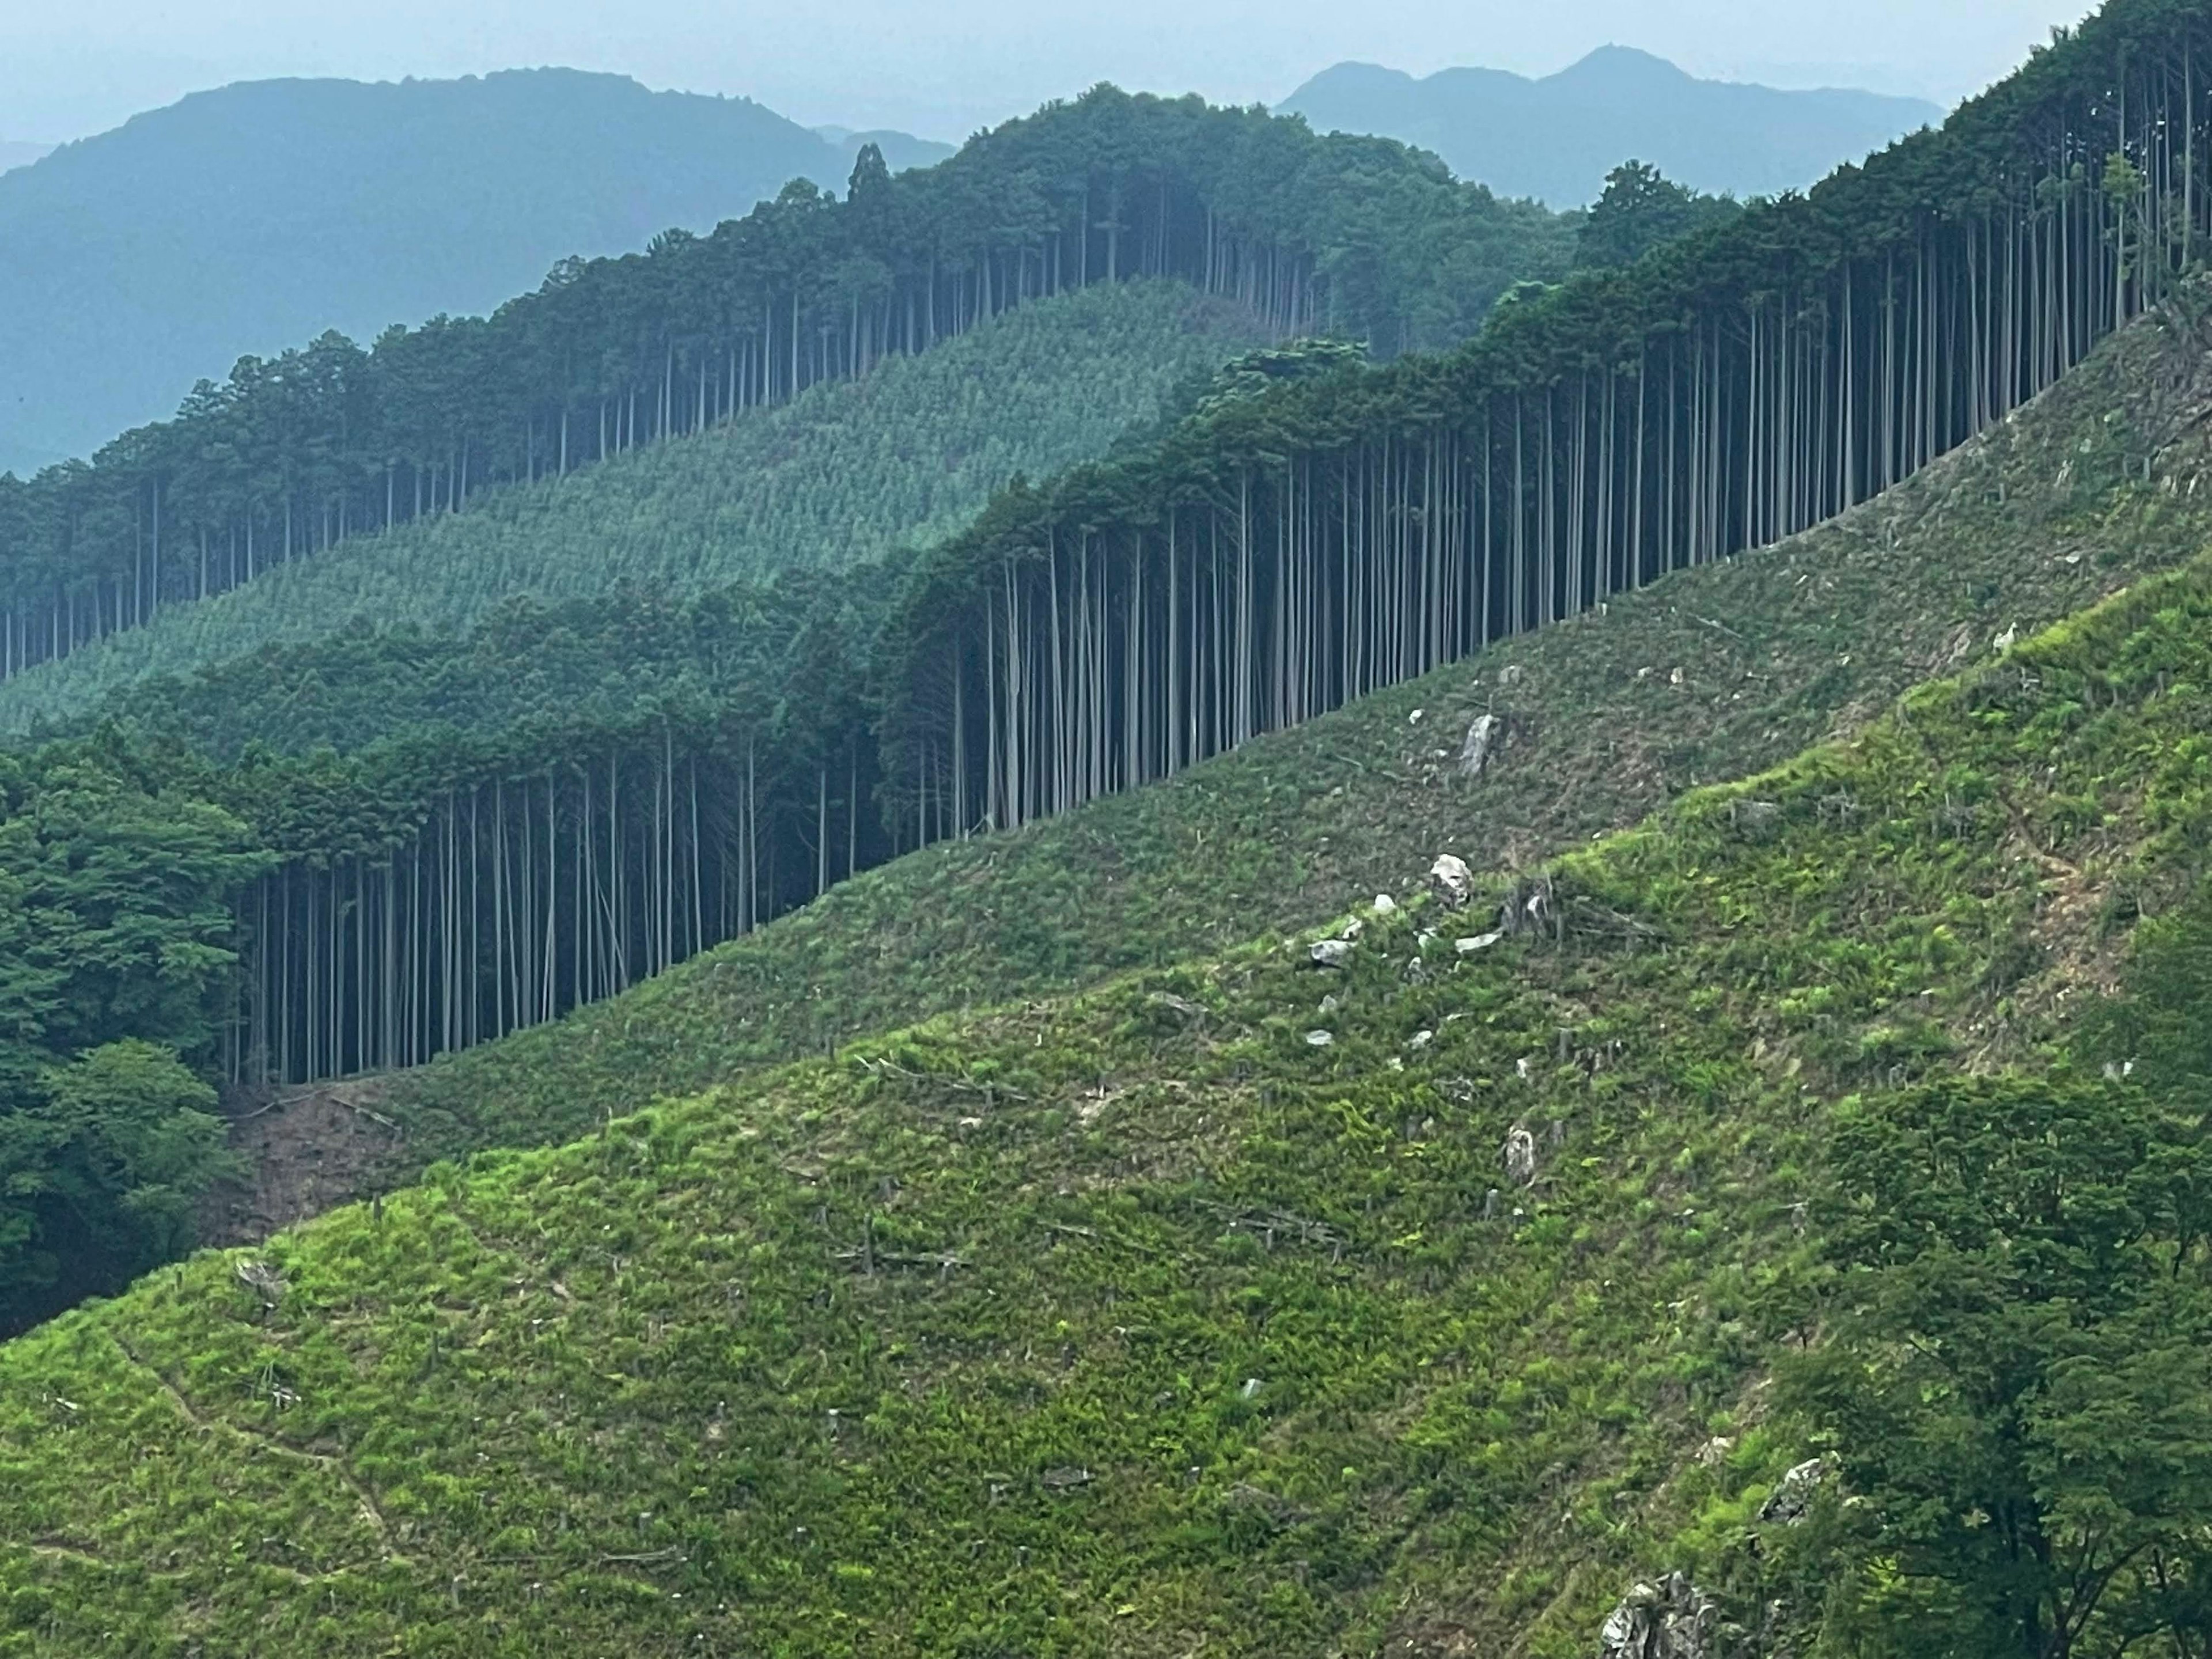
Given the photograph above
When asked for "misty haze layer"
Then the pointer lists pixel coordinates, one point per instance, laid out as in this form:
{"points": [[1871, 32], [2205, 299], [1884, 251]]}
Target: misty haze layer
{"points": [[1557, 138], [250, 219]]}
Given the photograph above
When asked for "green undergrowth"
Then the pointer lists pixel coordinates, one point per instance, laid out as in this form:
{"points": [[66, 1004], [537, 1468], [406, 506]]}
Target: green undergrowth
{"points": [[846, 473], [1141, 1320], [1710, 674]]}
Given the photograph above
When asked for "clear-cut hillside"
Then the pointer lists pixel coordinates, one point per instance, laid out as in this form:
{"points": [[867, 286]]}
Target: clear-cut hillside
{"points": [[1709, 675], [1251, 1306]]}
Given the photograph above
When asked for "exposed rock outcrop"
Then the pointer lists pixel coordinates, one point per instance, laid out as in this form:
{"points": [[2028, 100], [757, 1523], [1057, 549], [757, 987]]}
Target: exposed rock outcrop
{"points": [[1794, 1497], [1672, 1618]]}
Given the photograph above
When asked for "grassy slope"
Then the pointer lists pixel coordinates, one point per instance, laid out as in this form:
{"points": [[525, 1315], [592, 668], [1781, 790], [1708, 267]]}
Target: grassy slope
{"points": [[1134, 1323], [1774, 652], [848, 471]]}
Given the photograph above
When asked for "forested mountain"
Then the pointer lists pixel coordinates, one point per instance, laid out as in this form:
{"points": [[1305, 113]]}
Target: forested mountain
{"points": [[1557, 137], [1357, 237], [1717, 672], [1774, 1228], [1272, 557], [846, 473], [243, 220]]}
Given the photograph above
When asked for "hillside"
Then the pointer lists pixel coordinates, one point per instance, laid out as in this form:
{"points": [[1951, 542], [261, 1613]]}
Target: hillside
{"points": [[1243, 1305], [1271, 555], [18, 153], [292, 454], [242, 219], [846, 473], [1714, 674], [1556, 138]]}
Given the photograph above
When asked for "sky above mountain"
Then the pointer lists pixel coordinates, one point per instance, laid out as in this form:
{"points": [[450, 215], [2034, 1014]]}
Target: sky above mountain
{"points": [[946, 69]]}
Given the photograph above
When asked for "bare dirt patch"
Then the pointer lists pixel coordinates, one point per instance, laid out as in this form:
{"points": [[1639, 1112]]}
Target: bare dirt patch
{"points": [[308, 1150]]}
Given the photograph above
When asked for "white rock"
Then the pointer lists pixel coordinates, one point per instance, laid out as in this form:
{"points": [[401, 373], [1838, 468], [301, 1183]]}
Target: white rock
{"points": [[1423, 1039], [1385, 905], [1420, 714], [1790, 1501], [1467, 947], [1330, 952], [1481, 737], [1319, 1039], [1455, 881]]}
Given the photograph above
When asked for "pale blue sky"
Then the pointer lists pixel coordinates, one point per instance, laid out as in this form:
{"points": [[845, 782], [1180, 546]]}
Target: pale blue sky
{"points": [[944, 67]]}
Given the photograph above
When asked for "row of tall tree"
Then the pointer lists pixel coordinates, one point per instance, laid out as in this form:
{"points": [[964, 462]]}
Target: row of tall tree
{"points": [[292, 454], [1323, 530], [1732, 388]]}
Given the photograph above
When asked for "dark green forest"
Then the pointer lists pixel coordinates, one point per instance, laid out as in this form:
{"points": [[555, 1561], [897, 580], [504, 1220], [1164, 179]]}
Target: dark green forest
{"points": [[116, 974], [291, 455], [845, 473]]}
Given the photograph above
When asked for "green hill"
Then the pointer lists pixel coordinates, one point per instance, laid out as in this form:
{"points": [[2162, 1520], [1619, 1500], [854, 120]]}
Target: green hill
{"points": [[1579, 964], [292, 453], [1713, 673], [843, 474], [1243, 1306]]}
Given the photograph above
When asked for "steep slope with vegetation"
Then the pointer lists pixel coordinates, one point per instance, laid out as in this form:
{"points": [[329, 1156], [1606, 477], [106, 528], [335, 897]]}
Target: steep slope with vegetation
{"points": [[1269, 558], [241, 218], [1710, 674], [1249, 1305], [844, 474]]}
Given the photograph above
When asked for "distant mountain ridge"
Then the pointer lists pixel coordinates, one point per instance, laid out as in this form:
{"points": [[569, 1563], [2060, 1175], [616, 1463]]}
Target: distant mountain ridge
{"points": [[243, 220], [16, 153], [901, 150], [1556, 138]]}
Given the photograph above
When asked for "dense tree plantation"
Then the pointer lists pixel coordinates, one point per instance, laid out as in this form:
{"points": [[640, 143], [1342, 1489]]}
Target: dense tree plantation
{"points": [[1640, 209], [291, 455], [1727, 390], [1271, 556], [479, 833], [846, 471]]}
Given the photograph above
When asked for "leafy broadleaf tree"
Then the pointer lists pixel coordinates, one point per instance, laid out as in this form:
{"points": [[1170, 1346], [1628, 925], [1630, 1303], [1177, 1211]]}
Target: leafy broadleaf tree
{"points": [[2017, 1380], [115, 933], [136, 1144]]}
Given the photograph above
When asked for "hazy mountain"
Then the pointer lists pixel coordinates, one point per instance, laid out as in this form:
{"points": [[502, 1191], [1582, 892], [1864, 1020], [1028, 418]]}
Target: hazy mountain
{"points": [[901, 149], [1556, 138], [246, 219], [15, 152]]}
